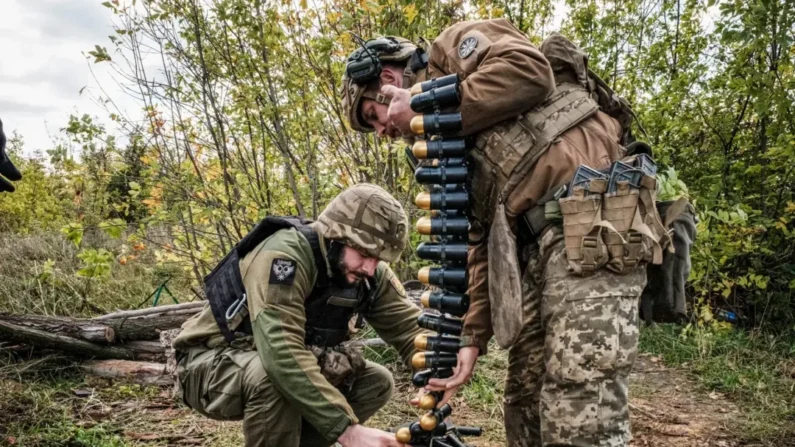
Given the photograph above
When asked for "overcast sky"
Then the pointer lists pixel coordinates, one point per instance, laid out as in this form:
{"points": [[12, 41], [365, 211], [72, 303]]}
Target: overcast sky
{"points": [[42, 68]]}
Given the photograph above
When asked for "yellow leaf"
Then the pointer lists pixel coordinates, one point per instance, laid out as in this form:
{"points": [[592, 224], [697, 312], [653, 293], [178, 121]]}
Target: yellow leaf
{"points": [[706, 314], [303, 4], [411, 12], [151, 203]]}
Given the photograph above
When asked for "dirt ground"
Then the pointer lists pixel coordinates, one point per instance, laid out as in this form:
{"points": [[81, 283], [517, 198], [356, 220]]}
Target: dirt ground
{"points": [[667, 411]]}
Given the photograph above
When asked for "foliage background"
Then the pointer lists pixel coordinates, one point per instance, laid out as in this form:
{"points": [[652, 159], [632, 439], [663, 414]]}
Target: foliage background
{"points": [[240, 118]]}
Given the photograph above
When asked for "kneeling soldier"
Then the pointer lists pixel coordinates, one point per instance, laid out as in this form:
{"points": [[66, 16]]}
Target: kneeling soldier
{"points": [[268, 348]]}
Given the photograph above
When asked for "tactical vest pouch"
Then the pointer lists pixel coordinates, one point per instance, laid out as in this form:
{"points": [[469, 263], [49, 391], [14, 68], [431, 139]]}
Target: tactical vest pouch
{"points": [[505, 281], [628, 223], [648, 223], [494, 154], [625, 248], [340, 365], [582, 229]]}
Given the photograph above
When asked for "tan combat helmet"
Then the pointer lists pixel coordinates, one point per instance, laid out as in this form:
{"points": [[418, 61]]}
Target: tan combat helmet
{"points": [[367, 218], [361, 72]]}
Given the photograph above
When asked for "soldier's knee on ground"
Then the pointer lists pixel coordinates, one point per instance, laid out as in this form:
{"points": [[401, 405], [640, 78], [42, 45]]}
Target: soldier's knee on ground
{"points": [[371, 391], [211, 383], [381, 383]]}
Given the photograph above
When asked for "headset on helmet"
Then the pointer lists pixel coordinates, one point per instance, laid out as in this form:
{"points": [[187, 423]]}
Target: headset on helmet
{"points": [[364, 65]]}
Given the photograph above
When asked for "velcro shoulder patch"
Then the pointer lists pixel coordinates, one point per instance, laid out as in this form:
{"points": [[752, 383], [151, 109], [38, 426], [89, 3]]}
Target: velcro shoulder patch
{"points": [[282, 272], [398, 286]]}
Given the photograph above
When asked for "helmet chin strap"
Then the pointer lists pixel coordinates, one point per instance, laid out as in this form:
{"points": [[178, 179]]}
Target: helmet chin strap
{"points": [[379, 97]]}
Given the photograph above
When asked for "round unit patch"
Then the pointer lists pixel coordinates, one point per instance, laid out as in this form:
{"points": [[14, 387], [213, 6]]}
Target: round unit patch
{"points": [[467, 47]]}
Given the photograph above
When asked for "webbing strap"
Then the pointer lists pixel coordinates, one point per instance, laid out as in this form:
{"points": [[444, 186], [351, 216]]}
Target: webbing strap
{"points": [[572, 105], [663, 238], [320, 261], [639, 227], [377, 97], [590, 242]]}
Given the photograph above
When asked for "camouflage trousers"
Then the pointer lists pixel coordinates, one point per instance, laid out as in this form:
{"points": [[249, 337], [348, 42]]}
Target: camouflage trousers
{"points": [[230, 384], [568, 371]]}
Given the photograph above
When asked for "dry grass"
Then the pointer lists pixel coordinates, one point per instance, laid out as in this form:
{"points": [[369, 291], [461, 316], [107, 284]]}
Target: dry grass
{"points": [[38, 275]]}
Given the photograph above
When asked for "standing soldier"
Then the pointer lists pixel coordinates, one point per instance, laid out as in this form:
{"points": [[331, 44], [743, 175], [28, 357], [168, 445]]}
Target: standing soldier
{"points": [[268, 348], [534, 120]]}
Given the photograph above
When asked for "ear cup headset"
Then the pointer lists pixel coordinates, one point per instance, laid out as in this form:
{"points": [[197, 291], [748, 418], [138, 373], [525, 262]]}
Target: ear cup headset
{"points": [[364, 65]]}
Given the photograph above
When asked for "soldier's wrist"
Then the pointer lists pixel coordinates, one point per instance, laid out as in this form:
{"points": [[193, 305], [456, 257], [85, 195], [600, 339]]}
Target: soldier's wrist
{"points": [[349, 434], [475, 340], [341, 429]]}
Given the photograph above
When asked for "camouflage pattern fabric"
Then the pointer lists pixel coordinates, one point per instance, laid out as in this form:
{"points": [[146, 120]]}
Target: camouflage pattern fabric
{"points": [[229, 383], [367, 218], [568, 371]]}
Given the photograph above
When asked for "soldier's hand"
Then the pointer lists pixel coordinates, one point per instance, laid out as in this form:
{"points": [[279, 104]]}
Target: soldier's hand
{"points": [[399, 113], [360, 436], [462, 373], [7, 169]]}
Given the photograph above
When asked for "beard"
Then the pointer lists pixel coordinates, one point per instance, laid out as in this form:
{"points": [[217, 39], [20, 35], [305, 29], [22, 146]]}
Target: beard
{"points": [[339, 270]]}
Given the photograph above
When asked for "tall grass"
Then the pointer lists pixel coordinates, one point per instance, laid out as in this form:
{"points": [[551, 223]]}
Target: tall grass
{"points": [[38, 275]]}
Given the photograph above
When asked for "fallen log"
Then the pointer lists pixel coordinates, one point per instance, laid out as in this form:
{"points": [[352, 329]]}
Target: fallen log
{"points": [[29, 336], [123, 326], [148, 350], [122, 335], [146, 324], [43, 339], [143, 373], [82, 329]]}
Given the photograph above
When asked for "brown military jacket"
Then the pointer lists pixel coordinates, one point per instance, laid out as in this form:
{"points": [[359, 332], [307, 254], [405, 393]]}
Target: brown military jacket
{"points": [[504, 75]]}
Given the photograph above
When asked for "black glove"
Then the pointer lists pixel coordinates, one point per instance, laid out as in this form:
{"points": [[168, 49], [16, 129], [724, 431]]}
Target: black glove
{"points": [[7, 168]]}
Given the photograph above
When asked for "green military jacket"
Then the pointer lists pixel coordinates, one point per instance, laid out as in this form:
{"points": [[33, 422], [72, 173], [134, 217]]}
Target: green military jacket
{"points": [[278, 319]]}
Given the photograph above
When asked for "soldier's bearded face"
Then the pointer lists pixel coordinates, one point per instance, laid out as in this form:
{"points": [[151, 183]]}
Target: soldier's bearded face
{"points": [[356, 266]]}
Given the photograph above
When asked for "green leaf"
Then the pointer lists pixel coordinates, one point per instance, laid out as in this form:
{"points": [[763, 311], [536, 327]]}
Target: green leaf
{"points": [[73, 233], [96, 263], [113, 228]]}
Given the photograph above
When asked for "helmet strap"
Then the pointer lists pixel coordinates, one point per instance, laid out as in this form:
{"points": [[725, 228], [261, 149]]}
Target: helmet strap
{"points": [[379, 97], [408, 73]]}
